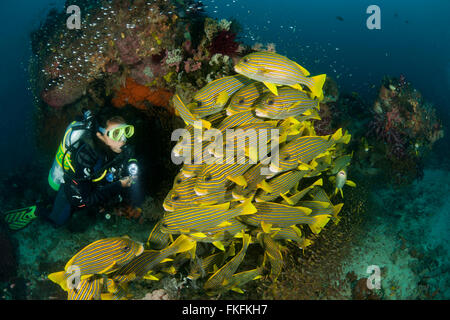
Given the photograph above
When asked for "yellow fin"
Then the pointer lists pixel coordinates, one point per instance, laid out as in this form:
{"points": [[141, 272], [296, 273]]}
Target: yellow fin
{"points": [[266, 226], [337, 208], [253, 154], [239, 180], [350, 183], [304, 71], [59, 278], [297, 86], [222, 98], [248, 207], [219, 245], [289, 201], [265, 186], [238, 290], [107, 296], [150, 277], [318, 82], [198, 235], [224, 224], [166, 260], [320, 222], [272, 87]]}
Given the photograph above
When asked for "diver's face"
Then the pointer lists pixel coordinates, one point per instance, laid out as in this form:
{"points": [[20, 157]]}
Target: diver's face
{"points": [[115, 146]]}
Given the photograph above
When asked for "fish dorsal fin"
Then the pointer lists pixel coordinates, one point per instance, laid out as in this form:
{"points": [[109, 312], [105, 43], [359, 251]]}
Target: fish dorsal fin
{"points": [[239, 180], [266, 227], [272, 87], [304, 71]]}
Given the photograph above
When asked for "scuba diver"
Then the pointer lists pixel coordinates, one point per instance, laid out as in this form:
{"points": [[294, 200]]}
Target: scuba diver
{"points": [[93, 170]]}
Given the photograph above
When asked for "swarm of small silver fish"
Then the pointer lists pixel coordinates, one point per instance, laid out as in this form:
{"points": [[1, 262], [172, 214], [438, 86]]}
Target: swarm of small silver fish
{"points": [[216, 211]]}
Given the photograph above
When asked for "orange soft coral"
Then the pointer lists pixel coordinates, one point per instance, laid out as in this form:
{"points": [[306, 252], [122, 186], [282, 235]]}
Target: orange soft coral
{"points": [[136, 95]]}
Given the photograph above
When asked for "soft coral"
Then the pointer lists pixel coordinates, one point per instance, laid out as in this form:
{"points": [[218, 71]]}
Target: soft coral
{"points": [[224, 43]]}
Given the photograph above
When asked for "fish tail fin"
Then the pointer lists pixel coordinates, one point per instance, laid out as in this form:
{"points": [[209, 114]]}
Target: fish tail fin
{"points": [[318, 82], [319, 223], [183, 243], [247, 207], [59, 278]]}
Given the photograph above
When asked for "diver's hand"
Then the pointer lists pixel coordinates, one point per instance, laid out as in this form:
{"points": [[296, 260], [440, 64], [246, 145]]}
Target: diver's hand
{"points": [[126, 182]]}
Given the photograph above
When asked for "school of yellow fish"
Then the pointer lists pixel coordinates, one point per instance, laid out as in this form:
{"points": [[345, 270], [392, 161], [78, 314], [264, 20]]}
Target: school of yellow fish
{"points": [[216, 211]]}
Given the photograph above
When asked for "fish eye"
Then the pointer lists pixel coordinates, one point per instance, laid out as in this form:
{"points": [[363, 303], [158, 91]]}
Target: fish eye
{"points": [[245, 60], [175, 198], [208, 178], [241, 101], [126, 249], [287, 158], [179, 181], [270, 102]]}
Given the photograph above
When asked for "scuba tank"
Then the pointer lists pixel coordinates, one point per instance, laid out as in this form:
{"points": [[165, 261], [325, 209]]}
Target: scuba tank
{"points": [[72, 136]]}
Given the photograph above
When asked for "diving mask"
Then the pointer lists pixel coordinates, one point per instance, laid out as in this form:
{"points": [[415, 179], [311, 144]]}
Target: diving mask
{"points": [[119, 133]]}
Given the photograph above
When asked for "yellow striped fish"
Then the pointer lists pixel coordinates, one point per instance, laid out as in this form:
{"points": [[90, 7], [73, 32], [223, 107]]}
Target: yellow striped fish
{"points": [[219, 176], [254, 179], [237, 120], [157, 239], [219, 234], [280, 185], [341, 163], [204, 217], [184, 196], [291, 233], [278, 215], [304, 149], [320, 210], [215, 95], [223, 274], [186, 114], [201, 267], [100, 257], [319, 194], [272, 253], [88, 289], [245, 97], [288, 103], [149, 259], [239, 279], [274, 69], [247, 136]]}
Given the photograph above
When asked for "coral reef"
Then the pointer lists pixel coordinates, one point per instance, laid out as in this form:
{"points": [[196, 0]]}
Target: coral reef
{"points": [[404, 128]]}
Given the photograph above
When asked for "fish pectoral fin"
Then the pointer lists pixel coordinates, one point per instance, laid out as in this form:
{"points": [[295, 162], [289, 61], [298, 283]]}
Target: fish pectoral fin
{"points": [[219, 245], [238, 290], [272, 87], [288, 201], [239, 180], [266, 227], [222, 99], [265, 186], [224, 224], [198, 235], [166, 260], [350, 183]]}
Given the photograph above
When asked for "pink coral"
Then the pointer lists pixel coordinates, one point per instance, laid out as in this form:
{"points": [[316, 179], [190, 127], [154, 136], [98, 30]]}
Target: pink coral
{"points": [[191, 65]]}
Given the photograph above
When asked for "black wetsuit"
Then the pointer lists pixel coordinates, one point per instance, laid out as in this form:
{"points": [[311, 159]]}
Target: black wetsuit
{"points": [[79, 192]]}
